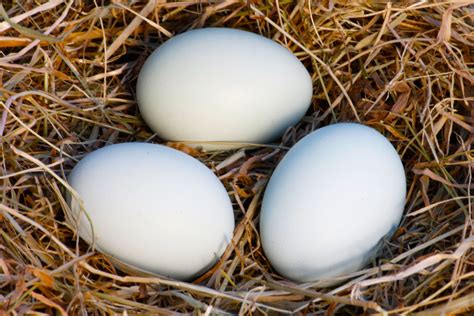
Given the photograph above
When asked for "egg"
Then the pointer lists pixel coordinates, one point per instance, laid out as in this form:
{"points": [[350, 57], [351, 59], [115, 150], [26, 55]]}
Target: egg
{"points": [[330, 202], [152, 208], [218, 88]]}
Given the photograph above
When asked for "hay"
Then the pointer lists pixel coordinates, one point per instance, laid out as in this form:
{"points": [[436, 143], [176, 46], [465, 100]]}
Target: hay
{"points": [[67, 76]]}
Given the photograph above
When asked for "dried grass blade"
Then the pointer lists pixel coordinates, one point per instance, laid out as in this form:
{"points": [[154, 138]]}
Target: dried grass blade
{"points": [[26, 31], [51, 4], [49, 303], [150, 6], [455, 307]]}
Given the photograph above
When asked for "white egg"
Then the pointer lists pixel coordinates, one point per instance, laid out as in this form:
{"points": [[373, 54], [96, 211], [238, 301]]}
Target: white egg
{"points": [[330, 201], [153, 208], [222, 85]]}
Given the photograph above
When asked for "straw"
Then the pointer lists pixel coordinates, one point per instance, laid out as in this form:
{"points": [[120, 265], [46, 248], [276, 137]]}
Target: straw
{"points": [[68, 71]]}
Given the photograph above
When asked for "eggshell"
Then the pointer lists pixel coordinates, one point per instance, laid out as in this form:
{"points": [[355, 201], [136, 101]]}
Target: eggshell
{"points": [[153, 207], [330, 201], [224, 85]]}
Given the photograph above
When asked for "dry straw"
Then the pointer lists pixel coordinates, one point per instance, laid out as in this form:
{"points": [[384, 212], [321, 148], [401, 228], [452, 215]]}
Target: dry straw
{"points": [[67, 75]]}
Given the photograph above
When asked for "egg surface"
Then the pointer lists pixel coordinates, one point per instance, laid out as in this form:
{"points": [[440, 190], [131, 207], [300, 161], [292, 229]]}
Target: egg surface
{"points": [[222, 85], [330, 201], [152, 207]]}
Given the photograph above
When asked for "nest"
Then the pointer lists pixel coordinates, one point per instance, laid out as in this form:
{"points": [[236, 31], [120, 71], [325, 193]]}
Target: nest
{"points": [[67, 78]]}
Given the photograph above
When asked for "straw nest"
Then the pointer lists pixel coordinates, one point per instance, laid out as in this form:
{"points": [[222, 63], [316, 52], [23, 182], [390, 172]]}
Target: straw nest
{"points": [[67, 78]]}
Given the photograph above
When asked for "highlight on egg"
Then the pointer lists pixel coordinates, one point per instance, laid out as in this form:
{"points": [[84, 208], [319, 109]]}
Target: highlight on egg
{"points": [[330, 202], [152, 208], [221, 88]]}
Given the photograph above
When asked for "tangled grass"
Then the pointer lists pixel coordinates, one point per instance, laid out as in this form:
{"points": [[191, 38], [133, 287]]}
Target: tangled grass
{"points": [[67, 77]]}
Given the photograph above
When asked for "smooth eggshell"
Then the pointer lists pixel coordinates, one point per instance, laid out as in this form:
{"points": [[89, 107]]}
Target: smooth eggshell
{"points": [[153, 207], [219, 84], [330, 201]]}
